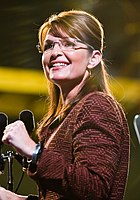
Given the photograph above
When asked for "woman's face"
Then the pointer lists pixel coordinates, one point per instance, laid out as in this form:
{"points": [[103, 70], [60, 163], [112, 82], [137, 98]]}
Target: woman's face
{"points": [[64, 61]]}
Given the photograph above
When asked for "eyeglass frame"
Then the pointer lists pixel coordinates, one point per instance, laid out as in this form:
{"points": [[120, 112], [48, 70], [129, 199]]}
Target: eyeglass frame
{"points": [[38, 46]]}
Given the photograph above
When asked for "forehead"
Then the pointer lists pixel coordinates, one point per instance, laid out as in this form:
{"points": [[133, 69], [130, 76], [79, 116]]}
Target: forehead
{"points": [[58, 32], [51, 37]]}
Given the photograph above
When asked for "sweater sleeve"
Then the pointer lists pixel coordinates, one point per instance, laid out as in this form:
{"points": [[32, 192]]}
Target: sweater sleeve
{"points": [[96, 142]]}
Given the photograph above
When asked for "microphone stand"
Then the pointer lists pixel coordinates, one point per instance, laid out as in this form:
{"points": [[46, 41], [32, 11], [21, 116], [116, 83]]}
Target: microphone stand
{"points": [[10, 172], [27, 117], [9, 157]]}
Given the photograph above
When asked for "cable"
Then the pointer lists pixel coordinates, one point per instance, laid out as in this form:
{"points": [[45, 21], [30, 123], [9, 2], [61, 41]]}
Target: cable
{"points": [[19, 182]]}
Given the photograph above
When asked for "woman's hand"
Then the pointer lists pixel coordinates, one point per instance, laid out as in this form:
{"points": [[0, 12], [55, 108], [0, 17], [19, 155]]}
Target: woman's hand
{"points": [[8, 195], [16, 135]]}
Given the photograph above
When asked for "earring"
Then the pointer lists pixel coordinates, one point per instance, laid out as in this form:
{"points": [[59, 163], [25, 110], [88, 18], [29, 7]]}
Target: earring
{"points": [[90, 72]]}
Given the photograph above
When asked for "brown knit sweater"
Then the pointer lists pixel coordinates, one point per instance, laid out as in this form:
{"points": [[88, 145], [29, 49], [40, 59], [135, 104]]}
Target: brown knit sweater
{"points": [[87, 159]]}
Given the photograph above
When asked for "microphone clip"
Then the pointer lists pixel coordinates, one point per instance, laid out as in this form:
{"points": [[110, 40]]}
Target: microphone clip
{"points": [[3, 157]]}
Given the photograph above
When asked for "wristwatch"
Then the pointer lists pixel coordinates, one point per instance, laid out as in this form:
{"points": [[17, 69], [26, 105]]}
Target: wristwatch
{"points": [[36, 153]]}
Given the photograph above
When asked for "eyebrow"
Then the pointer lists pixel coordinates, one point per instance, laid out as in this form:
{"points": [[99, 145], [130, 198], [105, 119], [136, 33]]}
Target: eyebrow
{"points": [[45, 41], [59, 38]]}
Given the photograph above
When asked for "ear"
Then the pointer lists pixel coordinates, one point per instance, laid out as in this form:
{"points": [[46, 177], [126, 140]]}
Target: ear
{"points": [[95, 59]]}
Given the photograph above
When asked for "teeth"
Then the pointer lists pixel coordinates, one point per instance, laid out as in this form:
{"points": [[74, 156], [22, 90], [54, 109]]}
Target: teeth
{"points": [[59, 64]]}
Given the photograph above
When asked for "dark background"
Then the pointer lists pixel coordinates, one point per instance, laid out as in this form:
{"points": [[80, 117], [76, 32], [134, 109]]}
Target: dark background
{"points": [[22, 85]]}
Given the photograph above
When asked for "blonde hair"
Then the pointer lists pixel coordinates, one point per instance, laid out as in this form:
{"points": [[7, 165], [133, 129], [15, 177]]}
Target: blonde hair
{"points": [[86, 27], [74, 23]]}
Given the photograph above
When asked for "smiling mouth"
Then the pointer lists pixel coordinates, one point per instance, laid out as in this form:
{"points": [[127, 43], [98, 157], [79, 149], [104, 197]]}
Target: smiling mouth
{"points": [[58, 65]]}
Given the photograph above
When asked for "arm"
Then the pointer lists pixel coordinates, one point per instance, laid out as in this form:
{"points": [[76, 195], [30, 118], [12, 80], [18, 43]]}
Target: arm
{"points": [[8, 195], [16, 135]]}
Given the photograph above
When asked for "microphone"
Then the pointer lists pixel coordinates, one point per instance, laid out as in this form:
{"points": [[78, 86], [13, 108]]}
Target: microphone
{"points": [[137, 126], [3, 124], [27, 117]]}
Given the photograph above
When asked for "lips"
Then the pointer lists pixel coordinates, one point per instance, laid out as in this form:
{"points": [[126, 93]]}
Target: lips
{"points": [[58, 64]]}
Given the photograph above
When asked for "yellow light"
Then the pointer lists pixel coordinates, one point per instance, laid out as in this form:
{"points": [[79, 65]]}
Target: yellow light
{"points": [[23, 81]]}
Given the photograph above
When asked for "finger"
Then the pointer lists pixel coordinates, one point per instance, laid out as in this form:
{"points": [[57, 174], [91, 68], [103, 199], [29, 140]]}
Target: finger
{"points": [[6, 140]]}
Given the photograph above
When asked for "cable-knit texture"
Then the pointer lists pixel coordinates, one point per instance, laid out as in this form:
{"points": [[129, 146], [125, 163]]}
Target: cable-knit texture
{"points": [[88, 157]]}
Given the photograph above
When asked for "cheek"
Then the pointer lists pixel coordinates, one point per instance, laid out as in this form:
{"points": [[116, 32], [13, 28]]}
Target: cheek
{"points": [[79, 57], [45, 66], [43, 60]]}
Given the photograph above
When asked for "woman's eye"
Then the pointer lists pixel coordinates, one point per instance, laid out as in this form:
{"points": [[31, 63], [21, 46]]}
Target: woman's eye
{"points": [[68, 44], [48, 46]]}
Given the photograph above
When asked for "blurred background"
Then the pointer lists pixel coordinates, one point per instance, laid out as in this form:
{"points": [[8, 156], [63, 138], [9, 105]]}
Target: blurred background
{"points": [[22, 83]]}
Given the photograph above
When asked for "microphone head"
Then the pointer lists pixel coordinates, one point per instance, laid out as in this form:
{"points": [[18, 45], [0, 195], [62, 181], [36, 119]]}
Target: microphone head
{"points": [[27, 117], [137, 126], [3, 124]]}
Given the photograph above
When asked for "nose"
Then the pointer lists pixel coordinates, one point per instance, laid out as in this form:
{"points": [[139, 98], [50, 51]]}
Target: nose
{"points": [[56, 49], [57, 45]]}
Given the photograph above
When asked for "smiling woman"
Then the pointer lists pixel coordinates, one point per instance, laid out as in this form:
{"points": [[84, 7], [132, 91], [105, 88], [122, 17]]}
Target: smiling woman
{"points": [[83, 149]]}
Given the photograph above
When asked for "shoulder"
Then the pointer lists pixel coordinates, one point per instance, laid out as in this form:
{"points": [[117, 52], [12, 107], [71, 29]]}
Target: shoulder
{"points": [[98, 99], [101, 105]]}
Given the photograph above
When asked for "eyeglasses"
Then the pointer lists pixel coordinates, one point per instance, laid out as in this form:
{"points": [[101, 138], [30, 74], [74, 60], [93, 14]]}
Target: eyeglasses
{"points": [[65, 44]]}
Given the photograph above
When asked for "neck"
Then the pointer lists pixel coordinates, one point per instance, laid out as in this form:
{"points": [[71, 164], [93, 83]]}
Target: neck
{"points": [[69, 93]]}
